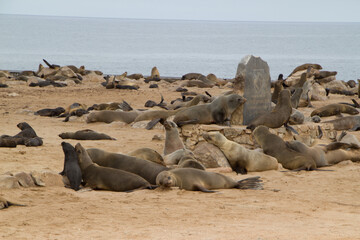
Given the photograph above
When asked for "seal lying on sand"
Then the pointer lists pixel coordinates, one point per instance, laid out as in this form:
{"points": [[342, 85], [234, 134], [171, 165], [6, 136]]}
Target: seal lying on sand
{"points": [[241, 159], [218, 111], [107, 178], [274, 146], [192, 179], [108, 116], [346, 123], [72, 169], [50, 112], [86, 134], [146, 169], [334, 109]]}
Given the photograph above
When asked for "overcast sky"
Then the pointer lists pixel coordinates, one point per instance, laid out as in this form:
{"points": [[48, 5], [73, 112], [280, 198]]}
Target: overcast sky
{"points": [[227, 10]]}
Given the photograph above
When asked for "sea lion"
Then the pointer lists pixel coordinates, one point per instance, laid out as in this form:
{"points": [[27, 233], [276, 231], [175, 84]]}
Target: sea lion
{"points": [[173, 141], [241, 160], [218, 111], [274, 146], [50, 112], [7, 142], [279, 116], [33, 142], [155, 75], [86, 134], [305, 67], [144, 168], [334, 109], [190, 76], [135, 76], [107, 178], [5, 203], [75, 109], [147, 154], [186, 162], [108, 116], [192, 179], [71, 166]]}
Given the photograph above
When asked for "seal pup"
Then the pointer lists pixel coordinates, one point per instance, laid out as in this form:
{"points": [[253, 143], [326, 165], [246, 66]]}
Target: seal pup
{"points": [[218, 111], [144, 168], [274, 146], [279, 116], [334, 109], [192, 179], [5, 203], [86, 134], [71, 169], [107, 178], [346, 123], [147, 154], [241, 160]]}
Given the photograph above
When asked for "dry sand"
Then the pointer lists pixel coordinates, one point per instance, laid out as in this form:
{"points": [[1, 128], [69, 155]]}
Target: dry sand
{"points": [[293, 205]]}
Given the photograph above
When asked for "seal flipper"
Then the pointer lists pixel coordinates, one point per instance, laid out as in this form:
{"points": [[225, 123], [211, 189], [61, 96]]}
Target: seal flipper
{"points": [[152, 123], [320, 132], [203, 189], [250, 183], [290, 128], [182, 123]]}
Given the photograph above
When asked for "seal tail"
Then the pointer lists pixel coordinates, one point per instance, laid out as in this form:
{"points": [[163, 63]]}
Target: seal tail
{"points": [[250, 183]]}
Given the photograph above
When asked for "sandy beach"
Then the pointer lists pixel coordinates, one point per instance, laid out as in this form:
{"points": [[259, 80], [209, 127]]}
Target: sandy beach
{"points": [[293, 205]]}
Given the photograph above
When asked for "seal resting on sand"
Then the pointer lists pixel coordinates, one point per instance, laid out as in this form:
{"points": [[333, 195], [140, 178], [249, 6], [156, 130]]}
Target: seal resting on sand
{"points": [[193, 179], [274, 146], [107, 178]]}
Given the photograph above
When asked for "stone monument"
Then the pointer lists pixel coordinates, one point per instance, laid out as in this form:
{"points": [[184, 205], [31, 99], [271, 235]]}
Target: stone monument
{"points": [[257, 89]]}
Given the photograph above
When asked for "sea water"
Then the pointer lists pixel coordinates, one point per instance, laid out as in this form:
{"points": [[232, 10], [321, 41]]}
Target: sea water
{"points": [[115, 45]]}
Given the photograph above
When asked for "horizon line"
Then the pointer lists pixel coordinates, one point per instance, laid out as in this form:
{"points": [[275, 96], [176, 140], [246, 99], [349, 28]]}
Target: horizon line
{"points": [[175, 19]]}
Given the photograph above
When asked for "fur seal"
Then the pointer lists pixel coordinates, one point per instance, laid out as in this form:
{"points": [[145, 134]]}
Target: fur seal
{"points": [[107, 178], [175, 157], [173, 141], [279, 116], [75, 109], [5, 203], [50, 112], [7, 142], [190, 163], [346, 123], [218, 111], [190, 76], [147, 154], [334, 109], [71, 166], [278, 87], [86, 134], [295, 98], [324, 157], [192, 179], [274, 146], [108, 116], [155, 75], [144, 168], [241, 160]]}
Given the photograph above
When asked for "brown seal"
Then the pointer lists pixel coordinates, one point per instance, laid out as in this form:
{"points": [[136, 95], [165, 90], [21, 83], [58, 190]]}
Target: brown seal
{"points": [[274, 146], [241, 160], [346, 123], [295, 98], [192, 179], [107, 178], [279, 116], [86, 134], [108, 116], [326, 155], [174, 157], [71, 169], [5, 203], [334, 109], [218, 111], [173, 141], [144, 168], [50, 112], [147, 154]]}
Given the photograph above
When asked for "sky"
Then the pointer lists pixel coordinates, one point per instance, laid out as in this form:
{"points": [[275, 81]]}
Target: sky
{"points": [[223, 10]]}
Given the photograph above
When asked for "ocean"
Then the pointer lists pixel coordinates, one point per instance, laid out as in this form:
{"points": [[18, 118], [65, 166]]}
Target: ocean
{"points": [[176, 47]]}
